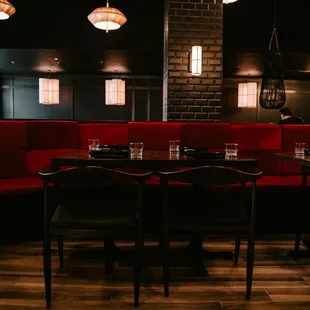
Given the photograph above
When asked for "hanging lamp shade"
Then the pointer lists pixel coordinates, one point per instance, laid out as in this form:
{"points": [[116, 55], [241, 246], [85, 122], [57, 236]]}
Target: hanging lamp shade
{"points": [[48, 91], [6, 9], [272, 95], [115, 92], [229, 1], [107, 18]]}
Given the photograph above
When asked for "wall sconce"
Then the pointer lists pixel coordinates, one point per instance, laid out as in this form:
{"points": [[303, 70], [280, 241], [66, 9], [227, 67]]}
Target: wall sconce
{"points": [[115, 92], [247, 95], [196, 60], [48, 91]]}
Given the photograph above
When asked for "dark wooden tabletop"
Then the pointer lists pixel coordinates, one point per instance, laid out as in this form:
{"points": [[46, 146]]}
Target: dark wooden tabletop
{"points": [[150, 159], [291, 157]]}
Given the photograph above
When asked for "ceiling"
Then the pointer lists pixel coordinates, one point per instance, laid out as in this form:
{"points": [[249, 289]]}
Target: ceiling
{"points": [[58, 37]]}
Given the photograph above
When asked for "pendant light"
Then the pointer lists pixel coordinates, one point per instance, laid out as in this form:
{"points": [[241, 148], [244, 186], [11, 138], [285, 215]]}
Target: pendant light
{"points": [[107, 18], [6, 9], [115, 92], [272, 95], [48, 91], [229, 1]]}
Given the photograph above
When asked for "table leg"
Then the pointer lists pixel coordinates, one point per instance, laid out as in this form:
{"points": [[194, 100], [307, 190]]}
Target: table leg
{"points": [[297, 253]]}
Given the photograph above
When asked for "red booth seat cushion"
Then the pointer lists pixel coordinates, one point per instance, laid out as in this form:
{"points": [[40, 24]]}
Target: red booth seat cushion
{"points": [[214, 135], [41, 158], [107, 133], [13, 164], [48, 135], [154, 135], [292, 134], [20, 185], [13, 135]]}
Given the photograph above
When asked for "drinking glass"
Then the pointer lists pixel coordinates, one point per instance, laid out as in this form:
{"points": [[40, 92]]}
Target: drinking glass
{"points": [[300, 148], [93, 144], [136, 149], [174, 146], [231, 149]]}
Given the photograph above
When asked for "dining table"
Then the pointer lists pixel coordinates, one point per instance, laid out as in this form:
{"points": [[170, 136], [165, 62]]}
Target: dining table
{"points": [[151, 159]]}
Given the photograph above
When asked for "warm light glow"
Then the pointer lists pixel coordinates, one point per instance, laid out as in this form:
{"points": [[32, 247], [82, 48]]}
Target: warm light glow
{"points": [[229, 1], [196, 60], [106, 18], [115, 92], [6, 9], [247, 95], [49, 91]]}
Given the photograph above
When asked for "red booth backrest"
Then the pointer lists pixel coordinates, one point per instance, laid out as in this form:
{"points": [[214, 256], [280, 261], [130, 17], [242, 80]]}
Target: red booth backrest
{"points": [[49, 135], [213, 135], [107, 133], [47, 139], [259, 141], [13, 155], [292, 134], [154, 135]]}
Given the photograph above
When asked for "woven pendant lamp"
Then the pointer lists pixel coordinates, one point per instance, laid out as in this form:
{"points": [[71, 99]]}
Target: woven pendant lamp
{"points": [[107, 18], [272, 95], [229, 1], [6, 9]]}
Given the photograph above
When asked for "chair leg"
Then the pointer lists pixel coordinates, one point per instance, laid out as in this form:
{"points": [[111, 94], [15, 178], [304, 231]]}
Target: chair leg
{"points": [[60, 244], [47, 270], [250, 266], [237, 249], [139, 244], [166, 270], [297, 241]]}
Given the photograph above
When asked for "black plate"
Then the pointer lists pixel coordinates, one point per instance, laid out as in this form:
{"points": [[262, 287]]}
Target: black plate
{"points": [[109, 153], [206, 155]]}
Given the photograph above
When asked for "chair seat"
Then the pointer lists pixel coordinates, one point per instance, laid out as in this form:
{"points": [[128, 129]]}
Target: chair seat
{"points": [[214, 219], [91, 216]]}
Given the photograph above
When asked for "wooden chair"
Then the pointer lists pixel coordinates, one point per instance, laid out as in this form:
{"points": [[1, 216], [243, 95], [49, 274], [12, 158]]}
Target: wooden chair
{"points": [[80, 218], [238, 221]]}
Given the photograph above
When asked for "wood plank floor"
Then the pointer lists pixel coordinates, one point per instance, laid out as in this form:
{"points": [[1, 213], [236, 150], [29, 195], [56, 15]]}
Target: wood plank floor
{"points": [[279, 281]]}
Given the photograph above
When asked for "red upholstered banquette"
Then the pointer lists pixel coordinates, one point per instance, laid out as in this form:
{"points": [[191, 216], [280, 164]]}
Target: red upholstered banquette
{"points": [[26, 146]]}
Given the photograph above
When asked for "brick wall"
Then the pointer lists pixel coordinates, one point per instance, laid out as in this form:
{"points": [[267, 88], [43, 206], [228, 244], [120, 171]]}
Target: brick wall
{"points": [[188, 23]]}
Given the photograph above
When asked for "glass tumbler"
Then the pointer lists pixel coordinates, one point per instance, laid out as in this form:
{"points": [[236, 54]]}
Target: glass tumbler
{"points": [[231, 149], [300, 148], [174, 147], [93, 144], [136, 149]]}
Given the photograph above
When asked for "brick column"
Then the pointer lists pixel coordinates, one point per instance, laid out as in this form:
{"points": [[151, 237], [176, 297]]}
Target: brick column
{"points": [[188, 23]]}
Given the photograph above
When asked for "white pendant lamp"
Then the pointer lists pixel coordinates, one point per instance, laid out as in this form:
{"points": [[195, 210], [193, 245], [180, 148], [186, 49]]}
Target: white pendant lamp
{"points": [[247, 95], [48, 91], [196, 60], [6, 9], [229, 1], [115, 92], [107, 18]]}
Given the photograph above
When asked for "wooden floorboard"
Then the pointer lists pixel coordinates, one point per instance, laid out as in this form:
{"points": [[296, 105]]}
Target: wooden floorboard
{"points": [[279, 281]]}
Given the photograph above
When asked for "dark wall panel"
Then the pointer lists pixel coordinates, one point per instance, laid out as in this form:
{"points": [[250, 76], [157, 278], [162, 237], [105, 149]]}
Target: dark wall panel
{"points": [[141, 105], [156, 105], [82, 98], [297, 98]]}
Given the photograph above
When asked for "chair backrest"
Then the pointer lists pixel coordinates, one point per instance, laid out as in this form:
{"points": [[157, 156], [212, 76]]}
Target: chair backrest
{"points": [[211, 175], [91, 176]]}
